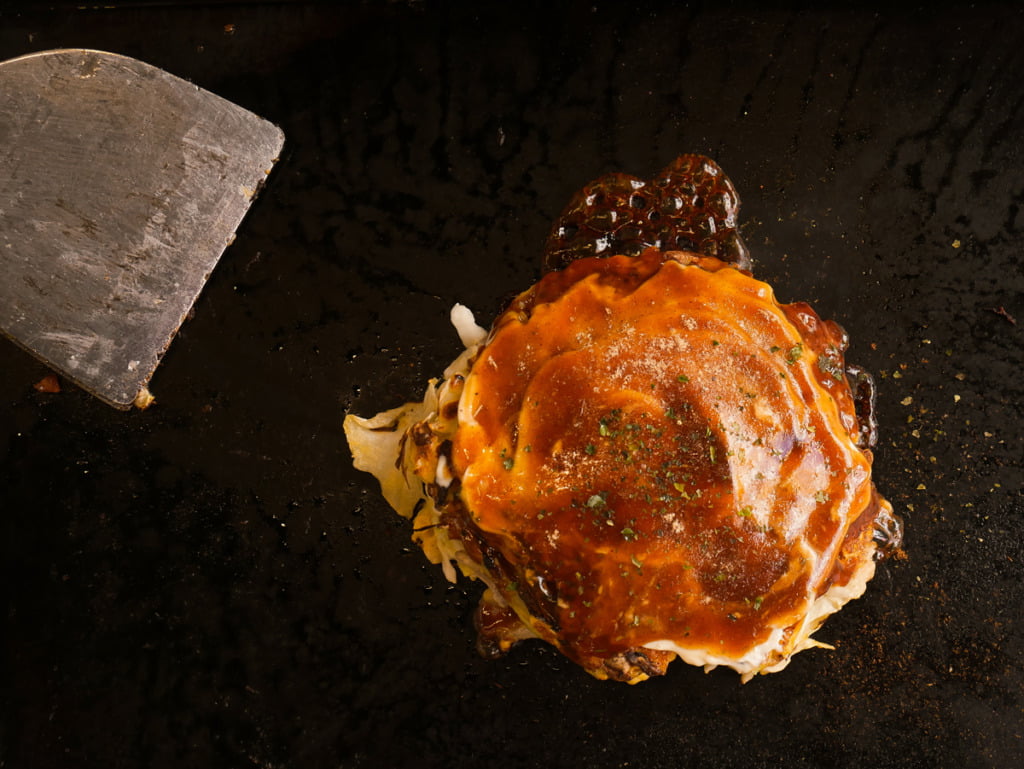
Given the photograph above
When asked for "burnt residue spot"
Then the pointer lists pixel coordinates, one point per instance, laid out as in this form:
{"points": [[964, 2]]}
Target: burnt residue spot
{"points": [[631, 663], [89, 66], [450, 410], [887, 534], [421, 434], [862, 385], [640, 659]]}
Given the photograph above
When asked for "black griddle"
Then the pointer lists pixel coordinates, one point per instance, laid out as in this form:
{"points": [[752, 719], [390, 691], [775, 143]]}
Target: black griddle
{"points": [[210, 584]]}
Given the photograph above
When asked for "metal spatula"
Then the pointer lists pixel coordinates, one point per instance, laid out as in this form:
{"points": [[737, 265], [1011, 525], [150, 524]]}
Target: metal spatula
{"points": [[120, 188]]}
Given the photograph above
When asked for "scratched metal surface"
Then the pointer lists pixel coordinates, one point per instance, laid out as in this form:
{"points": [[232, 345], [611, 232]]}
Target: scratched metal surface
{"points": [[120, 187], [209, 583]]}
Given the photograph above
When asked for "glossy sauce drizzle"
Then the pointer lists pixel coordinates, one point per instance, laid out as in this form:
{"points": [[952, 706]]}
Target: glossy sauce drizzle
{"points": [[658, 450]]}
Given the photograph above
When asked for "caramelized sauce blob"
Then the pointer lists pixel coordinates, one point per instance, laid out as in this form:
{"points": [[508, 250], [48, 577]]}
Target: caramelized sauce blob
{"points": [[690, 205], [652, 448]]}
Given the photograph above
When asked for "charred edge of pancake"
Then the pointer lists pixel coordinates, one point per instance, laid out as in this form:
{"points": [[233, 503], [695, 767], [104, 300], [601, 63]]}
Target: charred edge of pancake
{"points": [[862, 386], [538, 600], [887, 533], [638, 663]]}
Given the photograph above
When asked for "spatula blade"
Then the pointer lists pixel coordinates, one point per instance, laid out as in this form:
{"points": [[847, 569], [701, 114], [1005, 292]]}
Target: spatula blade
{"points": [[120, 187]]}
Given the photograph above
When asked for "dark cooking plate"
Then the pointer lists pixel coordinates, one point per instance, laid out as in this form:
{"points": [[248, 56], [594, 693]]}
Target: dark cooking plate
{"points": [[210, 582]]}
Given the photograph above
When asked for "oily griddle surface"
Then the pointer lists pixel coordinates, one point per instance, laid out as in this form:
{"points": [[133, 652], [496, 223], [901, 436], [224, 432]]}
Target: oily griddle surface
{"points": [[209, 583]]}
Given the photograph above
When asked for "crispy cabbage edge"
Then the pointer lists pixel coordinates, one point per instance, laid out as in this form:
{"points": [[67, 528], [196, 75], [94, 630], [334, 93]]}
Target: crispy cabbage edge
{"points": [[378, 446]]}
